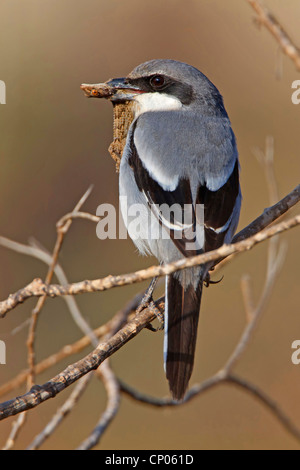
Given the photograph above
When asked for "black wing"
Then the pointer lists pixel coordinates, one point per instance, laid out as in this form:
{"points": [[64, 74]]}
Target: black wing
{"points": [[218, 209]]}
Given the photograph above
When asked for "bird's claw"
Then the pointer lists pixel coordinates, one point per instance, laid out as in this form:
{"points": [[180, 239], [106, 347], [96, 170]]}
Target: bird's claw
{"points": [[207, 280], [159, 315]]}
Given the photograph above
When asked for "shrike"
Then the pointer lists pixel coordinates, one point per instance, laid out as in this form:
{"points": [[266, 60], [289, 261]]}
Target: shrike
{"points": [[180, 149]]}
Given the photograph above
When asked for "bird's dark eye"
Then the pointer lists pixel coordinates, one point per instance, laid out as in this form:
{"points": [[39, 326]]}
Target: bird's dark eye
{"points": [[157, 81]]}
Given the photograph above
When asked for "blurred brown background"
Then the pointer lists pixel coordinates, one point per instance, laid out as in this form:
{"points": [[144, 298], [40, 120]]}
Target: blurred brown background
{"points": [[54, 145]]}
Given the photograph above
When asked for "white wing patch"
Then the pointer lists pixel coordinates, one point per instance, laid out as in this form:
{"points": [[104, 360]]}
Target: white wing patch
{"points": [[223, 228], [179, 226], [154, 163], [151, 102]]}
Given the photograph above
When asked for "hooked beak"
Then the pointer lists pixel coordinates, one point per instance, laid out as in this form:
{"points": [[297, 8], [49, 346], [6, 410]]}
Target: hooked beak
{"points": [[115, 90]]}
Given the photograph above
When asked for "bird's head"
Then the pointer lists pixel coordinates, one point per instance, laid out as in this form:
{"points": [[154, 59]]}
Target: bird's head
{"points": [[161, 85]]}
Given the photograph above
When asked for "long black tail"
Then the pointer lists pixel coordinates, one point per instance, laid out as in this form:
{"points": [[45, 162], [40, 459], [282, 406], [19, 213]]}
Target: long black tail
{"points": [[181, 322]]}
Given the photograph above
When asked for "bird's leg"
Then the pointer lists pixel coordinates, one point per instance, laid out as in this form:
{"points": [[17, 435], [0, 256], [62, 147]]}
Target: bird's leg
{"points": [[147, 299], [148, 302]]}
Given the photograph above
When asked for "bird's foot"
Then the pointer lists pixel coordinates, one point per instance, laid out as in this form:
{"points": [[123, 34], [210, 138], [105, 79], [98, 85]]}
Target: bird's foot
{"points": [[159, 315], [148, 302]]}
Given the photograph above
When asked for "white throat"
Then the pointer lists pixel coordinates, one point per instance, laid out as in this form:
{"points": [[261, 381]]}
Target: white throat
{"points": [[146, 102]]}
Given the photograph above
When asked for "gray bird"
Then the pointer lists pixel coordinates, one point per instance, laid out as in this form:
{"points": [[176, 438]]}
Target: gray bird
{"points": [[180, 153]]}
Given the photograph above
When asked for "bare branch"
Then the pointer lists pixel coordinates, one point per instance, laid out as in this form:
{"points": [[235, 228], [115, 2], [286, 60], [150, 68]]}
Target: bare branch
{"points": [[112, 407], [76, 347], [276, 256], [61, 231], [247, 297], [77, 215], [268, 402], [39, 394], [104, 372], [15, 430], [267, 19], [61, 413], [38, 288], [93, 360], [40, 253], [269, 215], [220, 378]]}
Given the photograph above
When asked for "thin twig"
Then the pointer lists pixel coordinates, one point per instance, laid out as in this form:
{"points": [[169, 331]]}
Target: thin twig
{"points": [[111, 385], [266, 159], [61, 232], [276, 256], [61, 413], [112, 407], [15, 430], [268, 402], [247, 297], [77, 215], [267, 19], [270, 215], [40, 253], [193, 392]]}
